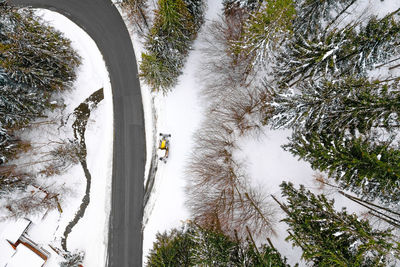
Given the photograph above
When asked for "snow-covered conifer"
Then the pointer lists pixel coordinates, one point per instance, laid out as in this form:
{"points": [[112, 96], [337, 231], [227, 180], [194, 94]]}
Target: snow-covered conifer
{"points": [[329, 237], [33, 53], [193, 245], [312, 14], [347, 103], [265, 28], [168, 42], [369, 169], [351, 50], [196, 9]]}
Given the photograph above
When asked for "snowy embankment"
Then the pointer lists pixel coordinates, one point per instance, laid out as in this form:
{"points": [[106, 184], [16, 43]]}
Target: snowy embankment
{"points": [[91, 233]]}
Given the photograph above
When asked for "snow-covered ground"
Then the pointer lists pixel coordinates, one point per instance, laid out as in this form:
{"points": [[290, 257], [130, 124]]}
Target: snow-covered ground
{"points": [[91, 233], [178, 113]]}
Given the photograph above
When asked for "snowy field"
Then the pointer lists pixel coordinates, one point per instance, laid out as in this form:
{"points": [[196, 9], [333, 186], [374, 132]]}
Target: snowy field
{"points": [[91, 233]]}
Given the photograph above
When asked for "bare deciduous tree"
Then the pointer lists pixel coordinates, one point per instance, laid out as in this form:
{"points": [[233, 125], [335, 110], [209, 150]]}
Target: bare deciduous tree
{"points": [[136, 11], [218, 191], [34, 200]]}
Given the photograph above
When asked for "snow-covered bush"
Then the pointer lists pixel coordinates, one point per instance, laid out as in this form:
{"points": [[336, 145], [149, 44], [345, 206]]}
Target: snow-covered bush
{"points": [[73, 259]]}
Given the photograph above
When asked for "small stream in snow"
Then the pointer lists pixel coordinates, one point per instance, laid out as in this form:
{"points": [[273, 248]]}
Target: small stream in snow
{"points": [[82, 114]]}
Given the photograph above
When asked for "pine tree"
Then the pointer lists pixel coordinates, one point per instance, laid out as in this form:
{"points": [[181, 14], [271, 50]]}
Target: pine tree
{"points": [[33, 53], [349, 103], [169, 41], [311, 14], [307, 56], [370, 169], [264, 29], [172, 249], [4, 145], [195, 246], [333, 238], [196, 8], [336, 52], [20, 104]]}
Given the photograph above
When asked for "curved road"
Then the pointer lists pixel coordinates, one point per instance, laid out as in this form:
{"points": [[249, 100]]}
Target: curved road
{"points": [[102, 21]]}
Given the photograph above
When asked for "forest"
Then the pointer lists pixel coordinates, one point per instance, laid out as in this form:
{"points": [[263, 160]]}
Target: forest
{"points": [[304, 65], [36, 64]]}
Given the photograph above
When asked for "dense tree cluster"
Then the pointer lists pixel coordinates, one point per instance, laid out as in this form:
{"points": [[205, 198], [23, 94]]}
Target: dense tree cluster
{"points": [[316, 60], [35, 61], [344, 122], [175, 26], [329, 237], [196, 246]]}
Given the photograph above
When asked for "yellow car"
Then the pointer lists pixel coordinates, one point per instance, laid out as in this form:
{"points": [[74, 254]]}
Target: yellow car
{"points": [[164, 145]]}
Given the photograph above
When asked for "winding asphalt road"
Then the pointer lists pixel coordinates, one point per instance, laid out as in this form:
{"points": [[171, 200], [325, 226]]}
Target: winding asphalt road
{"points": [[102, 21]]}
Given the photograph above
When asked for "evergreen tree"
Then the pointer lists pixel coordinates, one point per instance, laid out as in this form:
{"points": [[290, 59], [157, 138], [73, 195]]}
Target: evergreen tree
{"points": [[333, 238], [349, 103], [33, 53], [20, 104], [8, 145], [169, 41], [265, 27], [196, 8], [196, 246], [35, 60], [370, 169], [171, 249], [339, 51], [311, 14]]}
